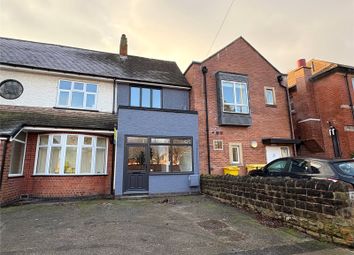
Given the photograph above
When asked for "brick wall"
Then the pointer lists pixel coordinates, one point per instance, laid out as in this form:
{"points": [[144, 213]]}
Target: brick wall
{"points": [[238, 57], [320, 208], [51, 186]]}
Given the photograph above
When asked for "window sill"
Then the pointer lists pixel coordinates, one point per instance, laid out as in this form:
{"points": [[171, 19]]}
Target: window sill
{"points": [[67, 175], [75, 109], [241, 113], [15, 176], [271, 105], [171, 173]]}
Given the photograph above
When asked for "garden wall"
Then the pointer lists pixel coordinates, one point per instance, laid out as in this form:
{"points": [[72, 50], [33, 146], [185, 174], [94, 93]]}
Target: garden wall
{"points": [[321, 208]]}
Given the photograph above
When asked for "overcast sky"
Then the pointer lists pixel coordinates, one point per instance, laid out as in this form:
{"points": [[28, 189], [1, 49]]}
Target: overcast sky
{"points": [[183, 30]]}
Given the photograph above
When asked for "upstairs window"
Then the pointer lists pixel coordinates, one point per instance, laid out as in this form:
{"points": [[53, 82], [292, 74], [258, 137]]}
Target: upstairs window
{"points": [[145, 97], [77, 95], [269, 95], [235, 97]]}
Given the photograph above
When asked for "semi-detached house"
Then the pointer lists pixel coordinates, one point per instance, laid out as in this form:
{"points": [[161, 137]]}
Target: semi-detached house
{"points": [[77, 122]]}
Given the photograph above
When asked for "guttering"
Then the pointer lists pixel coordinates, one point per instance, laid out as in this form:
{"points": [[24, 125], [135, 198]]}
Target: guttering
{"points": [[96, 76], [280, 79], [94, 131], [205, 71], [4, 149], [350, 97]]}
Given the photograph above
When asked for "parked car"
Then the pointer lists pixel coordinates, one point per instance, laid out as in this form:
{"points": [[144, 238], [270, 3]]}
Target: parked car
{"points": [[309, 168]]}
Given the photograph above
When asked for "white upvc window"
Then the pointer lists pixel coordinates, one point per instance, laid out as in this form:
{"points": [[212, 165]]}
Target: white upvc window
{"points": [[269, 94], [235, 97], [218, 145], [18, 155], [235, 153], [71, 154], [77, 95]]}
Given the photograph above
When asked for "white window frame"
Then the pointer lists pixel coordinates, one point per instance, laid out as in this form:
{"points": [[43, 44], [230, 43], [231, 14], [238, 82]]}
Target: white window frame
{"points": [[76, 90], [23, 159], [273, 93], [214, 145], [288, 151], [239, 150], [246, 104], [79, 146]]}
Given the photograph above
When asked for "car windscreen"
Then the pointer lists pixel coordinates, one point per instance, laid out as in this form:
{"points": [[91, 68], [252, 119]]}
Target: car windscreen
{"points": [[345, 167]]}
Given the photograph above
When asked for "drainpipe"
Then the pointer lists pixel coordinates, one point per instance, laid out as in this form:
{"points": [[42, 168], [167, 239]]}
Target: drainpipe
{"points": [[350, 98], [113, 166], [205, 71], [114, 96], [280, 81], [4, 148]]}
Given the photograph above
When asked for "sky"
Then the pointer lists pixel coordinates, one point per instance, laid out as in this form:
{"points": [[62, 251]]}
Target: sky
{"points": [[183, 30]]}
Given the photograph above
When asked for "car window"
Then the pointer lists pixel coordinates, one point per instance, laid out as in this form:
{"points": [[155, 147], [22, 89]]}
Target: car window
{"points": [[346, 168], [299, 166], [320, 168], [277, 166]]}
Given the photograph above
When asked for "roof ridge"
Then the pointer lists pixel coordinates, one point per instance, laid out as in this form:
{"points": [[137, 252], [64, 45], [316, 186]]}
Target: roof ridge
{"points": [[79, 48]]}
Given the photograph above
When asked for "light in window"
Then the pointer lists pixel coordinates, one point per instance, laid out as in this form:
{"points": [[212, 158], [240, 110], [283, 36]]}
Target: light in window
{"points": [[70, 160], [218, 145], [54, 163]]}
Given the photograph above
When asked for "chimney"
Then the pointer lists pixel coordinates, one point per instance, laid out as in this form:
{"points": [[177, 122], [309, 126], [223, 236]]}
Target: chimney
{"points": [[301, 62], [123, 51]]}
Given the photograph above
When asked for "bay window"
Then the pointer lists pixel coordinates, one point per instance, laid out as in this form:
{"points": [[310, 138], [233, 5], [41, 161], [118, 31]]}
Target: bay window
{"points": [[71, 154], [235, 97], [77, 95], [18, 155]]}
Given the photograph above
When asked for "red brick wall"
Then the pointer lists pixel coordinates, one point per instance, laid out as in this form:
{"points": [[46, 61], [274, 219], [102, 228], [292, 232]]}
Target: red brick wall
{"points": [[329, 102], [238, 57], [51, 186]]}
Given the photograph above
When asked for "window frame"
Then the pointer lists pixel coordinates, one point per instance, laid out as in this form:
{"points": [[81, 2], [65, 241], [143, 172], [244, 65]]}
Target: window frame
{"points": [[274, 103], [76, 90], [151, 96], [63, 145], [170, 145], [23, 159], [214, 145], [240, 154], [234, 83]]}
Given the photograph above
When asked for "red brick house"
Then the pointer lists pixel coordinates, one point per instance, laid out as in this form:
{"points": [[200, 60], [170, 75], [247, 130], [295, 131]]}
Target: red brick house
{"points": [[243, 108], [322, 108]]}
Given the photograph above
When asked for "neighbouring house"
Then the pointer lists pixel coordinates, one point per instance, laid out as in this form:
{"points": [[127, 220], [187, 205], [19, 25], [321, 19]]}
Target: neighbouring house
{"points": [[243, 109], [322, 95], [77, 122]]}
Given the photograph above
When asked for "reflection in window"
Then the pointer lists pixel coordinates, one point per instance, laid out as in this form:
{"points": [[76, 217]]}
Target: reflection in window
{"points": [[145, 97], [18, 155], [182, 159], [136, 158], [159, 159]]}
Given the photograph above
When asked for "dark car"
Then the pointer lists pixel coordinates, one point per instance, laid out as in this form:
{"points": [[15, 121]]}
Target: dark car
{"points": [[309, 168]]}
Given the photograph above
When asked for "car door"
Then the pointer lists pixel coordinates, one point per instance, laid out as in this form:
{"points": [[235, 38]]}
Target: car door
{"points": [[279, 167], [299, 168]]}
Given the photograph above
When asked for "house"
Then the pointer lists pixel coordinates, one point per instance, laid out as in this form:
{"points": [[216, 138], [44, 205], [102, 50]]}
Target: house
{"points": [[77, 122], [243, 109], [322, 95]]}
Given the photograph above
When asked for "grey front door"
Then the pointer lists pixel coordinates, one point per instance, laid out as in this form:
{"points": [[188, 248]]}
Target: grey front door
{"points": [[136, 175]]}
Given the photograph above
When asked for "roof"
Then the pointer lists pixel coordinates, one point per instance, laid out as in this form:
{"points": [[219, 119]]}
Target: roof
{"points": [[66, 59], [332, 69], [234, 41], [13, 118]]}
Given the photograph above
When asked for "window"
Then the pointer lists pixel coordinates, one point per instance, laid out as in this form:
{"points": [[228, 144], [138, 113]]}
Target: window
{"points": [[353, 83], [218, 145], [145, 97], [284, 152], [269, 94], [235, 153], [77, 95], [18, 155], [167, 155], [69, 154], [235, 97], [278, 166]]}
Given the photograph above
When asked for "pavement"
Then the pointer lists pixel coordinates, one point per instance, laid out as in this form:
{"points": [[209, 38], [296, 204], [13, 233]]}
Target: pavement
{"points": [[174, 225]]}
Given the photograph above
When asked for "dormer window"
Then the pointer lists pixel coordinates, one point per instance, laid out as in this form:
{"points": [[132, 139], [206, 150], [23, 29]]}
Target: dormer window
{"points": [[78, 95]]}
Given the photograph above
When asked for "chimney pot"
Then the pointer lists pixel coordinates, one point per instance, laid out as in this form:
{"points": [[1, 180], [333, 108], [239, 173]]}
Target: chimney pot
{"points": [[301, 62], [123, 51]]}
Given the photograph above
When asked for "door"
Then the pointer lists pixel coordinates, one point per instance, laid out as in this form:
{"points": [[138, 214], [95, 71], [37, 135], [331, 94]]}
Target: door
{"points": [[136, 176], [275, 152]]}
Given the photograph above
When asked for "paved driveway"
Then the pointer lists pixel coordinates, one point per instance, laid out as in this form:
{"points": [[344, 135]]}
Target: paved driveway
{"points": [[181, 225]]}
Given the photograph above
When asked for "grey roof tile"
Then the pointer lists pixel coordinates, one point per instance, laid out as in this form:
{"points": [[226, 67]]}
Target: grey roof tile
{"points": [[82, 61]]}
